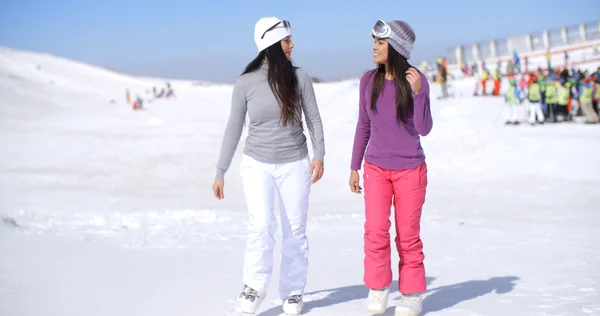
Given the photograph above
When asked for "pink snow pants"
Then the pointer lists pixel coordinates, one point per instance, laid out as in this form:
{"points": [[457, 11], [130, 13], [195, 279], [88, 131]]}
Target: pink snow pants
{"points": [[406, 190]]}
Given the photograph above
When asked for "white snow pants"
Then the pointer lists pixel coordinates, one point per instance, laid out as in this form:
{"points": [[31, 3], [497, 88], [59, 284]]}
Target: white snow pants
{"points": [[513, 118], [291, 182], [535, 109]]}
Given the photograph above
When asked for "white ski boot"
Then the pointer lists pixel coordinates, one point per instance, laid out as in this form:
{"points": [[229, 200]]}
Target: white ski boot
{"points": [[410, 305], [377, 301], [250, 302], [293, 305], [243, 294]]}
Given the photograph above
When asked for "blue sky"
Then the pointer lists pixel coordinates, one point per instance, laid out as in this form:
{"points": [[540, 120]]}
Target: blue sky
{"points": [[213, 40]]}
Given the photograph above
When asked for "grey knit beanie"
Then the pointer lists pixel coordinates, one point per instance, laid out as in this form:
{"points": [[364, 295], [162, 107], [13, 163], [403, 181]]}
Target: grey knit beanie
{"points": [[407, 37]]}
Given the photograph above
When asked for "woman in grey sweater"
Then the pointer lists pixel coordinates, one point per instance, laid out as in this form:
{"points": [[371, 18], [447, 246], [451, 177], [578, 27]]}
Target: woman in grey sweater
{"points": [[275, 163]]}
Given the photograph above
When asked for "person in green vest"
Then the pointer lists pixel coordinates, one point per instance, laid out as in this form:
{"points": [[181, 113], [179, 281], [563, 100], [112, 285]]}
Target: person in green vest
{"points": [[543, 81], [596, 92], [585, 94], [564, 93], [513, 98], [551, 99], [534, 95]]}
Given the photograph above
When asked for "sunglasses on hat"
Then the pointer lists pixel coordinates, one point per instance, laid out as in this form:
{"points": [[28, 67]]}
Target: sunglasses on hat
{"points": [[286, 24], [381, 30]]}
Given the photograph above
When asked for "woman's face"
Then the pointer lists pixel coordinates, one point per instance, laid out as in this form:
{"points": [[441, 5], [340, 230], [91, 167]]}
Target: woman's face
{"points": [[380, 51], [287, 45]]}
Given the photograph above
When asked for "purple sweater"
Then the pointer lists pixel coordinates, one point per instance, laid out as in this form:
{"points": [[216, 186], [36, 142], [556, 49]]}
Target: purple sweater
{"points": [[393, 145]]}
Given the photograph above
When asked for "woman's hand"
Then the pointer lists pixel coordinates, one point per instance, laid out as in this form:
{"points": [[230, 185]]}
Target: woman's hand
{"points": [[414, 78], [316, 170], [355, 182], [218, 189]]}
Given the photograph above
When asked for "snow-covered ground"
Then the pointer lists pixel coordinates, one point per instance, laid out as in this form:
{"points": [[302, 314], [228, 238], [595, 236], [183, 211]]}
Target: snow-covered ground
{"points": [[109, 211]]}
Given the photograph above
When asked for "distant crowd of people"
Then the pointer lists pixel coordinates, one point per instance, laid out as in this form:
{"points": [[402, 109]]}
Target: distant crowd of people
{"points": [[483, 74], [555, 95]]}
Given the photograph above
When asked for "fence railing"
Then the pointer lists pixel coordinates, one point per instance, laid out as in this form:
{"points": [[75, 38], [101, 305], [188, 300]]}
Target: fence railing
{"points": [[531, 42]]}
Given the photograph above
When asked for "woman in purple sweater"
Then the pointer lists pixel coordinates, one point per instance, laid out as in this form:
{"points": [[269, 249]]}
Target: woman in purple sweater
{"points": [[393, 111]]}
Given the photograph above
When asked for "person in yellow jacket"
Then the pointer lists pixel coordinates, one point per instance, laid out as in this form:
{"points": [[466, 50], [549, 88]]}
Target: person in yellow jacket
{"points": [[551, 98], [513, 98], [534, 95], [585, 94]]}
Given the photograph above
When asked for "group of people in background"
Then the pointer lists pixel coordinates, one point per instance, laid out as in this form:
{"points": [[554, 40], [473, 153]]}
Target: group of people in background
{"points": [[555, 95], [513, 67], [138, 102]]}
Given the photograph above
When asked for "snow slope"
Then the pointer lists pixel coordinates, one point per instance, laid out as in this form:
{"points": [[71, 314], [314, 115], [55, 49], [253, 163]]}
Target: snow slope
{"points": [[109, 211]]}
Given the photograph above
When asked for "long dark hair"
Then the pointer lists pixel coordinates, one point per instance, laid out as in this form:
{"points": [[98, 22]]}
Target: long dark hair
{"points": [[283, 81], [398, 65]]}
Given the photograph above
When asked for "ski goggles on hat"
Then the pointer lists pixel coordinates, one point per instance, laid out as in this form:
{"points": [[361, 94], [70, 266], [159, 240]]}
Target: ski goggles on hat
{"points": [[286, 24], [383, 30]]}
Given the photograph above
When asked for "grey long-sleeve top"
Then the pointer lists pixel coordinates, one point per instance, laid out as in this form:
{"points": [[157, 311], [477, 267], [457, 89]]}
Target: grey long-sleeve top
{"points": [[268, 140]]}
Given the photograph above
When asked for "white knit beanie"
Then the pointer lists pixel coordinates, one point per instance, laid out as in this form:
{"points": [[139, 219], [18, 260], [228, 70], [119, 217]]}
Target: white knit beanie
{"points": [[271, 37]]}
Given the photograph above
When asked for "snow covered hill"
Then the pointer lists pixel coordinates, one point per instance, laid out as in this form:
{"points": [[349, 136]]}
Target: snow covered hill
{"points": [[109, 211]]}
